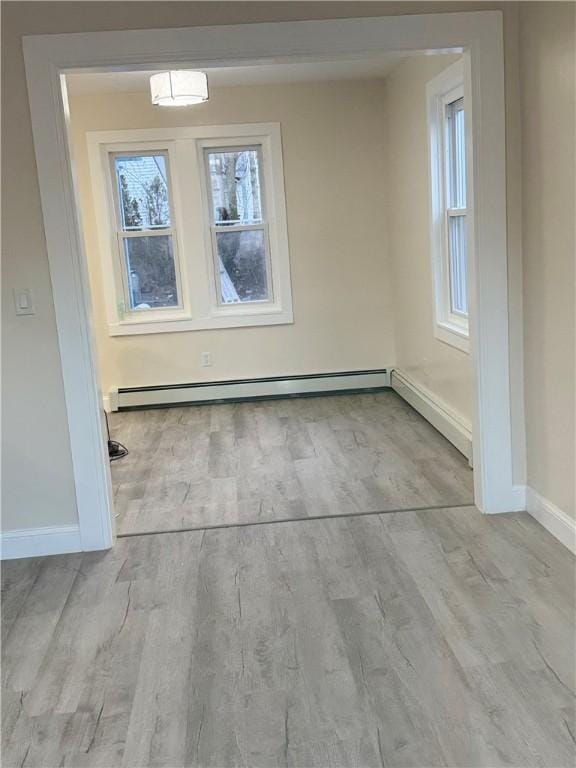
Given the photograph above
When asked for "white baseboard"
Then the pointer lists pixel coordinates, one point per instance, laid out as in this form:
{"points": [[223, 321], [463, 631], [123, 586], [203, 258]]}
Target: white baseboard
{"points": [[436, 411], [247, 389], [33, 542], [110, 401], [551, 517], [518, 499]]}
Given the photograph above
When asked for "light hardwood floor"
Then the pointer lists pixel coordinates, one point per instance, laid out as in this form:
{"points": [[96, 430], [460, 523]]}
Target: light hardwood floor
{"points": [[249, 462], [437, 638]]}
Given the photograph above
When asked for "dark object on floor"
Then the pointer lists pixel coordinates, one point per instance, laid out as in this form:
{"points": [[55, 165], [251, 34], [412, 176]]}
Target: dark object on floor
{"points": [[115, 450]]}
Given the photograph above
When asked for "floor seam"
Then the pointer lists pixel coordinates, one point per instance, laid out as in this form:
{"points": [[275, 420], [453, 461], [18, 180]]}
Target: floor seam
{"points": [[310, 518]]}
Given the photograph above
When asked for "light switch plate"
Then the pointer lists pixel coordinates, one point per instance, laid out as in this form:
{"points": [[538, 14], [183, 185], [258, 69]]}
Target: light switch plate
{"points": [[24, 301]]}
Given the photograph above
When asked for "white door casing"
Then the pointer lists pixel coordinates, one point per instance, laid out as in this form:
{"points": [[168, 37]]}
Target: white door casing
{"points": [[477, 34]]}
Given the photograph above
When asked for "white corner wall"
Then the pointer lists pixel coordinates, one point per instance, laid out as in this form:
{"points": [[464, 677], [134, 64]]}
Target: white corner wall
{"points": [[548, 67]]}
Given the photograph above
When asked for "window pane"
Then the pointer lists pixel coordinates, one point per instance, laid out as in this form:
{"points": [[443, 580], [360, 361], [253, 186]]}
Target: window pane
{"points": [[456, 154], [243, 269], [151, 272], [458, 264], [460, 156], [235, 184], [142, 191]]}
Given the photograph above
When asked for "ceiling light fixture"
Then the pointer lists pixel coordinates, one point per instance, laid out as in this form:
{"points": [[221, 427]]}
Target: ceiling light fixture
{"points": [[179, 88]]}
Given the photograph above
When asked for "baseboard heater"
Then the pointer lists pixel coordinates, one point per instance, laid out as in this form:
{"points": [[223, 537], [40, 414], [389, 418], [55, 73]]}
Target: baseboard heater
{"points": [[239, 390]]}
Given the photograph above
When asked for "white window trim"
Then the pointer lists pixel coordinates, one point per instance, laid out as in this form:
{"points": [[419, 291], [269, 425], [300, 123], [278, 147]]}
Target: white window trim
{"points": [[275, 206], [449, 327], [113, 265], [199, 306], [213, 227]]}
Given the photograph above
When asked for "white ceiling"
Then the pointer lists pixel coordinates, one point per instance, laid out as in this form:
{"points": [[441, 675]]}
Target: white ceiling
{"points": [[132, 82]]}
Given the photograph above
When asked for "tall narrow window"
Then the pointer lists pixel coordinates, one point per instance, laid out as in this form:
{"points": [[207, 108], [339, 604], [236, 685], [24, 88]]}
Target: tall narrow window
{"points": [[456, 205], [449, 238], [238, 225], [149, 270]]}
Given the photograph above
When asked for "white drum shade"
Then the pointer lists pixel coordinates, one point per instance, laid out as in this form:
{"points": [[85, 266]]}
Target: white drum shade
{"points": [[180, 88]]}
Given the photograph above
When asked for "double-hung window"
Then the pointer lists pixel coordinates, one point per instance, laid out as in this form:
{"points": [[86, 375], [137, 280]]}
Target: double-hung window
{"points": [[449, 213], [455, 159], [239, 232], [192, 227], [148, 272]]}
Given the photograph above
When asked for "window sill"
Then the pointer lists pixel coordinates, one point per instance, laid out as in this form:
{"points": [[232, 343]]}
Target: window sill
{"points": [[454, 337], [221, 320]]}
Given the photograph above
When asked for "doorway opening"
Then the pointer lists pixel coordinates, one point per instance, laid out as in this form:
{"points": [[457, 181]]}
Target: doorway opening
{"points": [[310, 248], [203, 225]]}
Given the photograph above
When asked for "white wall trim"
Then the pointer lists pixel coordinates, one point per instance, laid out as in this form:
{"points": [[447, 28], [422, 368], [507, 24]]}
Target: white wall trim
{"points": [[272, 387], [518, 499], [33, 542], [551, 517], [478, 35], [445, 419], [110, 401]]}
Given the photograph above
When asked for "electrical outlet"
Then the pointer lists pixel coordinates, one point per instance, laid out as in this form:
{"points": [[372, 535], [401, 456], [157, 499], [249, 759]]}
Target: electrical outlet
{"points": [[205, 359]]}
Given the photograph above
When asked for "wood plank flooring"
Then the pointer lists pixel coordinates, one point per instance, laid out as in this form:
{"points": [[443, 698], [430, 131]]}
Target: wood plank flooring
{"points": [[437, 638], [249, 462]]}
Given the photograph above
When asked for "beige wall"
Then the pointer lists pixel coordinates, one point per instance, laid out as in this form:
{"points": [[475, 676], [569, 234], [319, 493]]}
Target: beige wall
{"points": [[549, 159], [447, 372], [334, 169], [37, 469]]}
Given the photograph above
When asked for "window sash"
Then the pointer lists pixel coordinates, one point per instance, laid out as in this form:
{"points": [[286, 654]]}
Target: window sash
{"points": [[118, 209], [455, 149], [156, 232], [228, 148], [238, 227], [457, 267], [454, 203], [124, 233], [218, 266], [125, 277], [222, 227]]}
